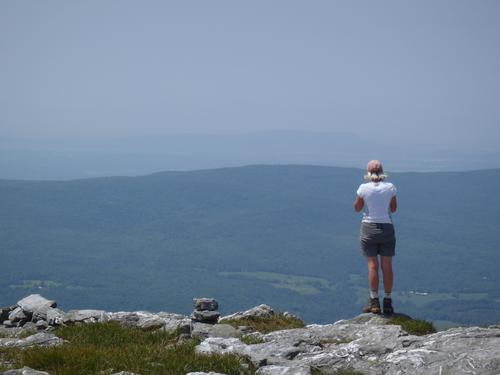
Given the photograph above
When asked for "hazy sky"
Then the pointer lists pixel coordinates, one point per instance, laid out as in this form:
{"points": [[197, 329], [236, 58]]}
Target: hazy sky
{"points": [[422, 72]]}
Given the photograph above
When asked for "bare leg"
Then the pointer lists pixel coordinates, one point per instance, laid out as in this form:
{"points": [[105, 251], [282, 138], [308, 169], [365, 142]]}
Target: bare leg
{"points": [[386, 264], [373, 273]]}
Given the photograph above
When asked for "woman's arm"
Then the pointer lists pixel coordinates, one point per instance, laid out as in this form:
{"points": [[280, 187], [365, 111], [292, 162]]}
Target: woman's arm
{"points": [[393, 206], [358, 203]]}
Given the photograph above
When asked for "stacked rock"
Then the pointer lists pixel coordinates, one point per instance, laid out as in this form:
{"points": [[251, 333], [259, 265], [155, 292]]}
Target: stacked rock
{"points": [[205, 310]]}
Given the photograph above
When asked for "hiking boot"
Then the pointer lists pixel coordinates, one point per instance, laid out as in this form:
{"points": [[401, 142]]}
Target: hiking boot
{"points": [[373, 306], [388, 310]]}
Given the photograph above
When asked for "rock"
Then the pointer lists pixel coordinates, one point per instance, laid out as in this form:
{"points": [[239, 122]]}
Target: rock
{"points": [[174, 322], [203, 330], [39, 339], [210, 317], [261, 311], [41, 324], [368, 345], [34, 302], [283, 370], [219, 345], [147, 321], [205, 304], [85, 316], [25, 371], [9, 324], [17, 315], [54, 317], [4, 313]]}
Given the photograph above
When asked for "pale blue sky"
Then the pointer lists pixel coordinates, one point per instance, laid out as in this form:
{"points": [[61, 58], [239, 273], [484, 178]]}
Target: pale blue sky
{"points": [[419, 72]]}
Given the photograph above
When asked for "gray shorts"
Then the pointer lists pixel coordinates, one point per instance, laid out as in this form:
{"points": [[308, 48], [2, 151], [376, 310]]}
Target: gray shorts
{"points": [[377, 239]]}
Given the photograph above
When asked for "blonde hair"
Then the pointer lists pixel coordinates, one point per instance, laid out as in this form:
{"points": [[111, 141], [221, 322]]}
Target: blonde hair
{"points": [[375, 177]]}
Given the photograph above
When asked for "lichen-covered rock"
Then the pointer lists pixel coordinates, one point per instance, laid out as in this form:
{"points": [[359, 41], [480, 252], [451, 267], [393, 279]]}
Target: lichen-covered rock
{"points": [[261, 311]]}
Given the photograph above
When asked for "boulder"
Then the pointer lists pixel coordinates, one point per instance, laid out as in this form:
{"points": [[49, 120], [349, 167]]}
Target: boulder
{"points": [[85, 316], [4, 313], [205, 304], [17, 315], [205, 316], [34, 302], [261, 311], [54, 317]]}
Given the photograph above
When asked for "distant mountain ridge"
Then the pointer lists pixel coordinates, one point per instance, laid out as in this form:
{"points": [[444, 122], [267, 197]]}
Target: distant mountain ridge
{"points": [[284, 235], [69, 158]]}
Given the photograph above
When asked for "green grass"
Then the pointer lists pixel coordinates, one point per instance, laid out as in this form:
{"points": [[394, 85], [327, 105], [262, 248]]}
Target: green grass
{"points": [[413, 326], [266, 325], [109, 347], [252, 340]]}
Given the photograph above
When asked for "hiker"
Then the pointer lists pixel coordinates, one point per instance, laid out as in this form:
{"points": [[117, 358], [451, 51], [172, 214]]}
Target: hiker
{"points": [[378, 242]]}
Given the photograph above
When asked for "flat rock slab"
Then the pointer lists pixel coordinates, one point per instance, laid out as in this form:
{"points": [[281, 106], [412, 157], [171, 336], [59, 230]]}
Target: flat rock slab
{"points": [[283, 370], [38, 339], [25, 371], [261, 311], [205, 316], [86, 316], [203, 330], [34, 302]]}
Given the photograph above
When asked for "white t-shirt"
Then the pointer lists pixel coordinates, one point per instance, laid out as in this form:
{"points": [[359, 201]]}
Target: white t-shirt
{"points": [[377, 197]]}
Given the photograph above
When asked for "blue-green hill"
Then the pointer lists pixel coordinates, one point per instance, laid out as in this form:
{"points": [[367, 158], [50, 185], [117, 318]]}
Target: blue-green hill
{"points": [[282, 235]]}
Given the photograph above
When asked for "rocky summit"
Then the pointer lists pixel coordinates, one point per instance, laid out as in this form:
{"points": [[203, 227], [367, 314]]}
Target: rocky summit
{"points": [[365, 344]]}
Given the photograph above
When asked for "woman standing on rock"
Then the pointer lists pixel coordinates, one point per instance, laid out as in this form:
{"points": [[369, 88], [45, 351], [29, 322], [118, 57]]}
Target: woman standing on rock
{"points": [[378, 198]]}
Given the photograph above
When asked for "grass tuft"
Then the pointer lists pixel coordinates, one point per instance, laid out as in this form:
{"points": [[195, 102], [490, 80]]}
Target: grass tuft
{"points": [[109, 347], [252, 340], [413, 326], [265, 325]]}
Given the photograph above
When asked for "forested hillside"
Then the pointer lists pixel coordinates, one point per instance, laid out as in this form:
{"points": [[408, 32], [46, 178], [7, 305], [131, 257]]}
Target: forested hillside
{"points": [[282, 235]]}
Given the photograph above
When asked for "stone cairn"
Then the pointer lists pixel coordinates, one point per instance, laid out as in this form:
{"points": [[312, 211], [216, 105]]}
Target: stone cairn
{"points": [[205, 310]]}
